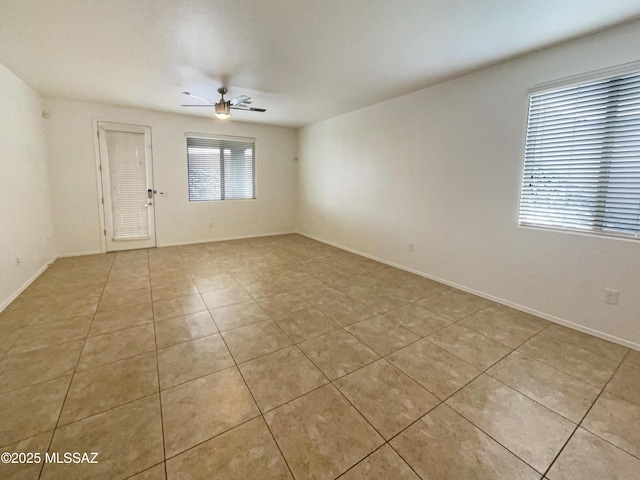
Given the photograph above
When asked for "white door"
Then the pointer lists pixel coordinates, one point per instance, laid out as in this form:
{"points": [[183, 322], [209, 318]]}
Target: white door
{"points": [[127, 186]]}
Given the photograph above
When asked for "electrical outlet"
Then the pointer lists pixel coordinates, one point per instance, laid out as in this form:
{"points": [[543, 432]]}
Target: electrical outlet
{"points": [[610, 296], [210, 224], [412, 247], [17, 260]]}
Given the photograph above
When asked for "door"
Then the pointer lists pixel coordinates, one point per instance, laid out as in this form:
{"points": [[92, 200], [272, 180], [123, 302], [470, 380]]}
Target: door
{"points": [[127, 186]]}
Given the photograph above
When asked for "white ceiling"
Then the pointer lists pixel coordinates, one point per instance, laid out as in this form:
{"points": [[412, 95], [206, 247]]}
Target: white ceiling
{"points": [[302, 60]]}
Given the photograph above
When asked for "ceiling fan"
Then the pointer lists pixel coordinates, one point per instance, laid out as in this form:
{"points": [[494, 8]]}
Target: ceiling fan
{"points": [[223, 107]]}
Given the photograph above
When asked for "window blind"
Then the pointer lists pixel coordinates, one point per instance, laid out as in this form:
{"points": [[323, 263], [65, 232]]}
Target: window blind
{"points": [[582, 158], [128, 180], [220, 169]]}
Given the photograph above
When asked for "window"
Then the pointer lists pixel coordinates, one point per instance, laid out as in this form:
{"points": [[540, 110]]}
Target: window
{"points": [[220, 169], [582, 158]]}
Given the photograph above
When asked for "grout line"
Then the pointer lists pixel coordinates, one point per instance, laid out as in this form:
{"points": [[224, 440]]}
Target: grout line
{"points": [[159, 392], [230, 257], [582, 420], [55, 428], [257, 405]]}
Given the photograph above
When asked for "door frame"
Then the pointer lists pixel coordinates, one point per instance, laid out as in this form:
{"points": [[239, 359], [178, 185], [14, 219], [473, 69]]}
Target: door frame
{"points": [[96, 124]]}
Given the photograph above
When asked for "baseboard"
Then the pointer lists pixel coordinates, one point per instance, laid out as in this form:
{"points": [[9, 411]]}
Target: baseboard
{"points": [[71, 255], [24, 286], [522, 308], [225, 239]]}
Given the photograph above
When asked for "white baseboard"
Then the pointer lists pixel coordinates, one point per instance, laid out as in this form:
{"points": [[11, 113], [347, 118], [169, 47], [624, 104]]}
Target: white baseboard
{"points": [[71, 255], [225, 239], [522, 308], [24, 286]]}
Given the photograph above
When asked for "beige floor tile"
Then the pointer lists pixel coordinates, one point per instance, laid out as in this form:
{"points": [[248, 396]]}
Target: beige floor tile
{"points": [[183, 329], [11, 320], [178, 306], [305, 324], [383, 464], [388, 399], [50, 334], [31, 410], [319, 294], [153, 473], [254, 340], [283, 304], [50, 312], [444, 446], [77, 291], [321, 435], [420, 321], [505, 325], [338, 353], [186, 361], [587, 456], [172, 290], [212, 420], [119, 318], [102, 388], [552, 388], [382, 335], [246, 452], [128, 439], [470, 346], [281, 376], [122, 299], [125, 274], [159, 279], [453, 304], [616, 421], [225, 296], [216, 282], [201, 409], [7, 339], [379, 300], [586, 342], [625, 384], [114, 286], [119, 345], [632, 359], [39, 365], [238, 315], [578, 362], [347, 311], [437, 370], [25, 471], [529, 430], [263, 287]]}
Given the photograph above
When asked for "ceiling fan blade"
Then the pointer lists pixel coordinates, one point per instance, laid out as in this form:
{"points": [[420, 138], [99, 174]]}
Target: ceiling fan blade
{"points": [[208, 106], [201, 98], [249, 109], [240, 99]]}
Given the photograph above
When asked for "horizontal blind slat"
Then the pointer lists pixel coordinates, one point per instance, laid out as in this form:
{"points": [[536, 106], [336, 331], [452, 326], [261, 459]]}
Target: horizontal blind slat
{"points": [[582, 157], [220, 169]]}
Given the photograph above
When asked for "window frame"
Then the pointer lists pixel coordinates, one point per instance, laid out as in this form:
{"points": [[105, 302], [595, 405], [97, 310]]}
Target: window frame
{"points": [[230, 139], [610, 74]]}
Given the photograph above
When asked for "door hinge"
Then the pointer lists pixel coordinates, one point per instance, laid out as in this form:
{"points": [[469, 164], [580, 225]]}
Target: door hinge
{"points": [[100, 166], [102, 200], [104, 232]]}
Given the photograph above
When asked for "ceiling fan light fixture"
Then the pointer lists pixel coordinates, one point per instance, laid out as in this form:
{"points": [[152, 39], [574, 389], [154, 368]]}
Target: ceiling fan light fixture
{"points": [[223, 110]]}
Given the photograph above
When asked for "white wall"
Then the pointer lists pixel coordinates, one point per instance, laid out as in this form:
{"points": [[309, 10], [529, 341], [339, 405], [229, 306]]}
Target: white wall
{"points": [[71, 143], [26, 226], [441, 168]]}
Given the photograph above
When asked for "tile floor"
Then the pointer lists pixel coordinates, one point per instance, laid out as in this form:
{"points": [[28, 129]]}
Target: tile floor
{"points": [[281, 357]]}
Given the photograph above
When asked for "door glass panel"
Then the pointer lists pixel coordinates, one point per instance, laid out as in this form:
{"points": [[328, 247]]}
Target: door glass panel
{"points": [[128, 178]]}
